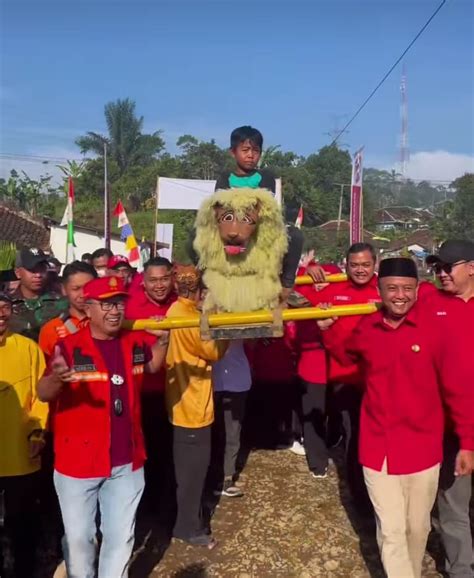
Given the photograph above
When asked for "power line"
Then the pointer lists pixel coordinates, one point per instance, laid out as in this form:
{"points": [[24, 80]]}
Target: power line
{"points": [[38, 158], [362, 106]]}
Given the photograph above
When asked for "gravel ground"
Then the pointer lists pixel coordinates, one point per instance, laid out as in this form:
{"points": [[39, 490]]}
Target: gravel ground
{"points": [[288, 524]]}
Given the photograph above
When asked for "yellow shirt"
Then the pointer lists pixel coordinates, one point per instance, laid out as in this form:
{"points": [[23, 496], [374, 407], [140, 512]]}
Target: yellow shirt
{"points": [[21, 367], [188, 371]]}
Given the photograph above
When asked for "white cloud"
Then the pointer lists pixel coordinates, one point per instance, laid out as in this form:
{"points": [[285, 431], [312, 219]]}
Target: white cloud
{"points": [[428, 165], [439, 165]]}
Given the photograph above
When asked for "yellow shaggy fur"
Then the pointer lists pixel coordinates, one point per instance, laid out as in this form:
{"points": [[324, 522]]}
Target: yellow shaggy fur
{"points": [[249, 281]]}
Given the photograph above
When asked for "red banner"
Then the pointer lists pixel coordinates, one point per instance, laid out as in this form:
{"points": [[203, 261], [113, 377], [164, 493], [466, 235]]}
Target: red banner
{"points": [[356, 199]]}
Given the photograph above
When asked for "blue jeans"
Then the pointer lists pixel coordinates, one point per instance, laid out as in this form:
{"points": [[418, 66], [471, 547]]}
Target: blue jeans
{"points": [[118, 497]]}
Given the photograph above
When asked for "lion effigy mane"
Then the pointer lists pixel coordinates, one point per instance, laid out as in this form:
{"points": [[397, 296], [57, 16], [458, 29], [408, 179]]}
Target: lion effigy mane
{"points": [[251, 280]]}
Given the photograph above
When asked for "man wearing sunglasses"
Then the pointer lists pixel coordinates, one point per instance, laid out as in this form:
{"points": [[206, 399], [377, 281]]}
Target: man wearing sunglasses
{"points": [[453, 309], [95, 379]]}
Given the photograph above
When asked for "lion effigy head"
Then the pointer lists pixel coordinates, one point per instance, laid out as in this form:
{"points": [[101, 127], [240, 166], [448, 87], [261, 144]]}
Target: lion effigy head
{"points": [[240, 241]]}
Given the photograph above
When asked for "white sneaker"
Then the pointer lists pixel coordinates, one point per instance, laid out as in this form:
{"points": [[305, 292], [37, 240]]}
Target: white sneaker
{"points": [[297, 449], [320, 476]]}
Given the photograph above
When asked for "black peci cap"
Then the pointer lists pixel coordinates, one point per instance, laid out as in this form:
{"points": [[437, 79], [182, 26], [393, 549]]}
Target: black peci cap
{"points": [[398, 267]]}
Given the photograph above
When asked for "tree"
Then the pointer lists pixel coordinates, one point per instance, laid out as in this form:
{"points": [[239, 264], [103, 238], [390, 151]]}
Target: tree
{"points": [[455, 218], [202, 160], [126, 144], [26, 193]]}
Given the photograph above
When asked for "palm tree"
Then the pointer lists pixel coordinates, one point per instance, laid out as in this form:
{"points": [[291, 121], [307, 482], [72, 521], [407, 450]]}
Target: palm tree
{"points": [[125, 142]]}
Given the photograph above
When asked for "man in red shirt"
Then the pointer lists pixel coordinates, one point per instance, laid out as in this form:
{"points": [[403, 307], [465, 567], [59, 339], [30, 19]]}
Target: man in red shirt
{"points": [[310, 392], [410, 374], [453, 309], [345, 393], [152, 298], [95, 381], [119, 266]]}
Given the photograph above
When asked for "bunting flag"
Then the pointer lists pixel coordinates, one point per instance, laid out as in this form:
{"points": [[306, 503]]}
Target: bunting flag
{"points": [[299, 218], [356, 225], [126, 234], [68, 221]]}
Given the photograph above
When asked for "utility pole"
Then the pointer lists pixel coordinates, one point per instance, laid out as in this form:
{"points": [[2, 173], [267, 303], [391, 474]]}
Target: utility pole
{"points": [[341, 194]]}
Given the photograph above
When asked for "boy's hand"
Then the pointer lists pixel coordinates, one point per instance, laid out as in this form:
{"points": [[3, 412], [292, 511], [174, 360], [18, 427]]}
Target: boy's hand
{"points": [[285, 293]]}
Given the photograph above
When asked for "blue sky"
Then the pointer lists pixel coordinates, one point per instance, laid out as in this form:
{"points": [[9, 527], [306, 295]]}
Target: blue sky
{"points": [[291, 68]]}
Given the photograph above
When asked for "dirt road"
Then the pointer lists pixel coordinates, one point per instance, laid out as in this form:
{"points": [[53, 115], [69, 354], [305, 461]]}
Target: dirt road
{"points": [[287, 525]]}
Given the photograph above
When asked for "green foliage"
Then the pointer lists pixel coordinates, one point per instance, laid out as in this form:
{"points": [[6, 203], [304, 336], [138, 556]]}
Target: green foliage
{"points": [[26, 193], [126, 144], [135, 160], [7, 255], [455, 217], [202, 160]]}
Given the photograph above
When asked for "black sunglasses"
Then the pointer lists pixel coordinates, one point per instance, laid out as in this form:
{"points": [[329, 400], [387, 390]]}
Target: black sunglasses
{"points": [[446, 267]]}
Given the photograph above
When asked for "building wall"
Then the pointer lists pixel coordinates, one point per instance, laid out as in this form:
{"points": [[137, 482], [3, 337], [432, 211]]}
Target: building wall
{"points": [[86, 242]]}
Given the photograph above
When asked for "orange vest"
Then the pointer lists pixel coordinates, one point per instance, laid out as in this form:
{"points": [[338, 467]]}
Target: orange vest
{"points": [[82, 412]]}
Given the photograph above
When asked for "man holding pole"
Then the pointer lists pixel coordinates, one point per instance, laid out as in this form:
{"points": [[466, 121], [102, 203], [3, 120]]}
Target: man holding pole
{"points": [[411, 373], [345, 395], [95, 380]]}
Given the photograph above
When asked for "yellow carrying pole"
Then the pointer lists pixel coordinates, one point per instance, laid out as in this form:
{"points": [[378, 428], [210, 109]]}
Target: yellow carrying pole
{"points": [[307, 279], [251, 317]]}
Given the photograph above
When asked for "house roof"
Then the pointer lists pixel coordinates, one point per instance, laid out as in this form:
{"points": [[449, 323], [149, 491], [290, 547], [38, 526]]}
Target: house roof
{"points": [[22, 229], [422, 237], [329, 228], [403, 215]]}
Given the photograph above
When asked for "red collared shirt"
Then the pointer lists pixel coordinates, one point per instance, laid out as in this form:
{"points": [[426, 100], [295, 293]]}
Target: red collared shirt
{"points": [[305, 337], [140, 306], [409, 373], [347, 293]]}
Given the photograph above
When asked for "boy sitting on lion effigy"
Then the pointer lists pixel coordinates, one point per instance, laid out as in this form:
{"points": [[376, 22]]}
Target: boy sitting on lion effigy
{"points": [[249, 256]]}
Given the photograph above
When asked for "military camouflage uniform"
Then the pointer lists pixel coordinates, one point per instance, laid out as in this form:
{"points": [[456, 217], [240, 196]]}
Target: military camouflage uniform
{"points": [[29, 315]]}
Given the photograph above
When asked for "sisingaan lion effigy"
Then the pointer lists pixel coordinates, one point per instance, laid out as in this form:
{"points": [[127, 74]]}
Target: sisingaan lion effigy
{"points": [[241, 241]]}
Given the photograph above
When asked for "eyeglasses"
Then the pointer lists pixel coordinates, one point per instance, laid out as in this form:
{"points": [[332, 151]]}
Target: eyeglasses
{"points": [[109, 305], [446, 267]]}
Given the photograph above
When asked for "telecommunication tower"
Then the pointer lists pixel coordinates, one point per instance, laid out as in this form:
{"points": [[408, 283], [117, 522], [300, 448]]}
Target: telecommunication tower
{"points": [[404, 150]]}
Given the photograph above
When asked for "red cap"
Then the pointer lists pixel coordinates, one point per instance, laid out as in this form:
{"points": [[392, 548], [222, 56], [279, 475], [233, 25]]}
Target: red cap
{"points": [[104, 288], [118, 261]]}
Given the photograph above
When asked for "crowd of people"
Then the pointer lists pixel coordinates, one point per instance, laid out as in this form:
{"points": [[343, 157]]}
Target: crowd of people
{"points": [[133, 412]]}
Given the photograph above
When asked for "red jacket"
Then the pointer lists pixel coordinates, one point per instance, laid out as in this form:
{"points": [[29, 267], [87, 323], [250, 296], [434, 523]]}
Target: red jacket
{"points": [[409, 374], [347, 293], [82, 410], [140, 306], [305, 337]]}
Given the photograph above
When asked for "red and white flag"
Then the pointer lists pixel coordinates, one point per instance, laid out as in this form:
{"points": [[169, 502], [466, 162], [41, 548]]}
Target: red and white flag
{"points": [[119, 212], [356, 199], [299, 218], [126, 234], [68, 221]]}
